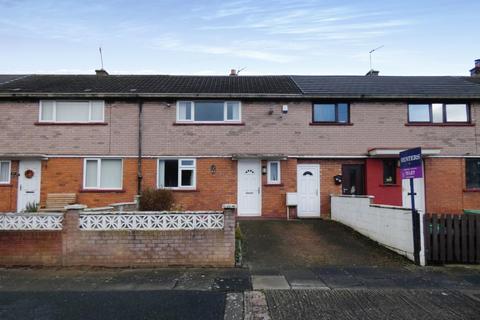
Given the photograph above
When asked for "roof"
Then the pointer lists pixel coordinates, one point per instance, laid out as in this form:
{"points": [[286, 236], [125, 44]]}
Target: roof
{"points": [[152, 85], [388, 86], [9, 77], [175, 86]]}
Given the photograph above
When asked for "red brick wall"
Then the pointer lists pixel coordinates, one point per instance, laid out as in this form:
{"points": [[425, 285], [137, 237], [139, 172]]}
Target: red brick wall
{"points": [[446, 186], [384, 194], [65, 175], [274, 196], [8, 192], [30, 248], [74, 247]]}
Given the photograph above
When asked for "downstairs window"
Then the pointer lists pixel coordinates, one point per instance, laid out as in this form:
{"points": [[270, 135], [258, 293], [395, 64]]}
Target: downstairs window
{"points": [[472, 173], [5, 168], [103, 174], [176, 173]]}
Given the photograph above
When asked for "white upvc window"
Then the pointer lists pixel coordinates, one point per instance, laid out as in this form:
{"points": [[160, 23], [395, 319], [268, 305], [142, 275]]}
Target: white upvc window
{"points": [[5, 171], [176, 173], [273, 172], [209, 111], [72, 111], [104, 174]]}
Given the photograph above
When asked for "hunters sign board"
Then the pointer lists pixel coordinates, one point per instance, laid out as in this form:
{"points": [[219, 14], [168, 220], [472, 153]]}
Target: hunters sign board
{"points": [[411, 163]]}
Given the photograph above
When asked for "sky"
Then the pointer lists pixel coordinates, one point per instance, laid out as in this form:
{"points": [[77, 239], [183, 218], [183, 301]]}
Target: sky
{"points": [[431, 37]]}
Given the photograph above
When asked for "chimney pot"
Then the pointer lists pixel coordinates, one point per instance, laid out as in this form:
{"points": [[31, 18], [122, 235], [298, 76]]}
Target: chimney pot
{"points": [[475, 72], [101, 72], [233, 72], [373, 73]]}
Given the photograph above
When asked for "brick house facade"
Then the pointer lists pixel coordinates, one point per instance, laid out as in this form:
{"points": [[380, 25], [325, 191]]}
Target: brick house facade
{"points": [[275, 125]]}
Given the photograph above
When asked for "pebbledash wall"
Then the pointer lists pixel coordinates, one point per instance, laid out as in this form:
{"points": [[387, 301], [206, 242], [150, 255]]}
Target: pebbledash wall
{"points": [[72, 246]]}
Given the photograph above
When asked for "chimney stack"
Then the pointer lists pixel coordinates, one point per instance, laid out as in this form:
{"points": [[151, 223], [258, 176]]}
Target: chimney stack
{"points": [[373, 73], [475, 72], [101, 72], [233, 72]]}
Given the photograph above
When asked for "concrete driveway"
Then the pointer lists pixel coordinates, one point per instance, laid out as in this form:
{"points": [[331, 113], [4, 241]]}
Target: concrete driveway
{"points": [[271, 246]]}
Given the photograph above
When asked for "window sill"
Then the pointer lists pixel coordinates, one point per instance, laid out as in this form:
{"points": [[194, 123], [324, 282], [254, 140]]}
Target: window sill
{"points": [[209, 123], [102, 191], [330, 124], [273, 185], [183, 190], [6, 185], [471, 190], [41, 123], [420, 124], [389, 185]]}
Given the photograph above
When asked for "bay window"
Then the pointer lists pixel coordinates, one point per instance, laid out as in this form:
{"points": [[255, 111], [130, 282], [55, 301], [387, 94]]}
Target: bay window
{"points": [[103, 174], [71, 111], [208, 111], [176, 173]]}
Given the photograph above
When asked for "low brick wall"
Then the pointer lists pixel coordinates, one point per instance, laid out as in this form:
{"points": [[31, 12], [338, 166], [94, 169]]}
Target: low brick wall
{"points": [[119, 248]]}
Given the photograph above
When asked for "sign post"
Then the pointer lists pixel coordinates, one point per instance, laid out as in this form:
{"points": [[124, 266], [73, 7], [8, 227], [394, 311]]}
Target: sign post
{"points": [[411, 168]]}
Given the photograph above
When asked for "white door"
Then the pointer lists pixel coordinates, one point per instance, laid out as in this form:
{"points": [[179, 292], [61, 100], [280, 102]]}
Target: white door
{"points": [[30, 172], [308, 190], [249, 188], [419, 186]]}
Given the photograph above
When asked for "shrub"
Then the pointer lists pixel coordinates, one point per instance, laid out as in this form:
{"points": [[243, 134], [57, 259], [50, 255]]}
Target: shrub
{"points": [[31, 207], [156, 200]]}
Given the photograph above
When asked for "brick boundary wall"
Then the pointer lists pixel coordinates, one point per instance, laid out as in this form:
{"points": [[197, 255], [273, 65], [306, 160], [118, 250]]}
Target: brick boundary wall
{"points": [[75, 247]]}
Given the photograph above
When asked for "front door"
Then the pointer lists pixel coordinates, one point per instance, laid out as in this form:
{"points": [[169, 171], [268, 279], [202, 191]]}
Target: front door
{"points": [[308, 190], [353, 181], [30, 172], [419, 188], [249, 187]]}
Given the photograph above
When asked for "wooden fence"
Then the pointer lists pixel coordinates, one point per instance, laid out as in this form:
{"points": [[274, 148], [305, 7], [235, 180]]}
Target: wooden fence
{"points": [[452, 238]]}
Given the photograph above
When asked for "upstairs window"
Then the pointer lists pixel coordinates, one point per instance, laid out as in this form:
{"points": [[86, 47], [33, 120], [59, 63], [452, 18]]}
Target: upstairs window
{"points": [[472, 173], [72, 111], [102, 174], [208, 111], [5, 168], [331, 113], [439, 113], [390, 171], [176, 173]]}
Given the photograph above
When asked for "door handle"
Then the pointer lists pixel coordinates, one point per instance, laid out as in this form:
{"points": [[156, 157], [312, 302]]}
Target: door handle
{"points": [[258, 190]]}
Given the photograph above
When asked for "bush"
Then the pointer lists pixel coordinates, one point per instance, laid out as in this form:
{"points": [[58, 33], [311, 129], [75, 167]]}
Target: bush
{"points": [[31, 207], [156, 200]]}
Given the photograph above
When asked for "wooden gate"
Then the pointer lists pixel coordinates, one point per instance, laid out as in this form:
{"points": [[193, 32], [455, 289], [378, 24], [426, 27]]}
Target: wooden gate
{"points": [[451, 238]]}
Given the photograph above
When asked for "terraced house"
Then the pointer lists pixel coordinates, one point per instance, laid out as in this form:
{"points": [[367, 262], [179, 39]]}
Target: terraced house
{"points": [[248, 140]]}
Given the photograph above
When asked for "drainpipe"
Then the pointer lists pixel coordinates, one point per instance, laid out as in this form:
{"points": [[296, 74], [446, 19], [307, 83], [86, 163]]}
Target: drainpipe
{"points": [[139, 161]]}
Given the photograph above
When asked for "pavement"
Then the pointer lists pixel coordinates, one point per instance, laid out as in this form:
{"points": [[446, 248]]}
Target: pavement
{"points": [[292, 271]]}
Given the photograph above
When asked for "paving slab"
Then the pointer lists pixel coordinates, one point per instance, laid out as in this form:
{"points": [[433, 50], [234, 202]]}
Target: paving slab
{"points": [[256, 307], [308, 284], [262, 282]]}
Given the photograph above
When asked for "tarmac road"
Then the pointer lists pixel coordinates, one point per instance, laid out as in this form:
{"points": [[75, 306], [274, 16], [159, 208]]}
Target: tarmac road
{"points": [[112, 305]]}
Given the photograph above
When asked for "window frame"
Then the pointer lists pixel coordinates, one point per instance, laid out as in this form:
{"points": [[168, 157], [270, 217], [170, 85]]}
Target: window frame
{"points": [[395, 161], [466, 174], [336, 113], [9, 181], [444, 113], [225, 120], [54, 116], [99, 173], [269, 171], [179, 173]]}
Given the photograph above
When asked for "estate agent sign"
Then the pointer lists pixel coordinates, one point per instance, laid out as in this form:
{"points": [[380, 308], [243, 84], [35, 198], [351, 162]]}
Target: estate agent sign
{"points": [[411, 168], [411, 163]]}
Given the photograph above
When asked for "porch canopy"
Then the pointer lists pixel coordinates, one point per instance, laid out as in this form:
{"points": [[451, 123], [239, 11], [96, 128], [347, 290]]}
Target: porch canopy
{"points": [[394, 152]]}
